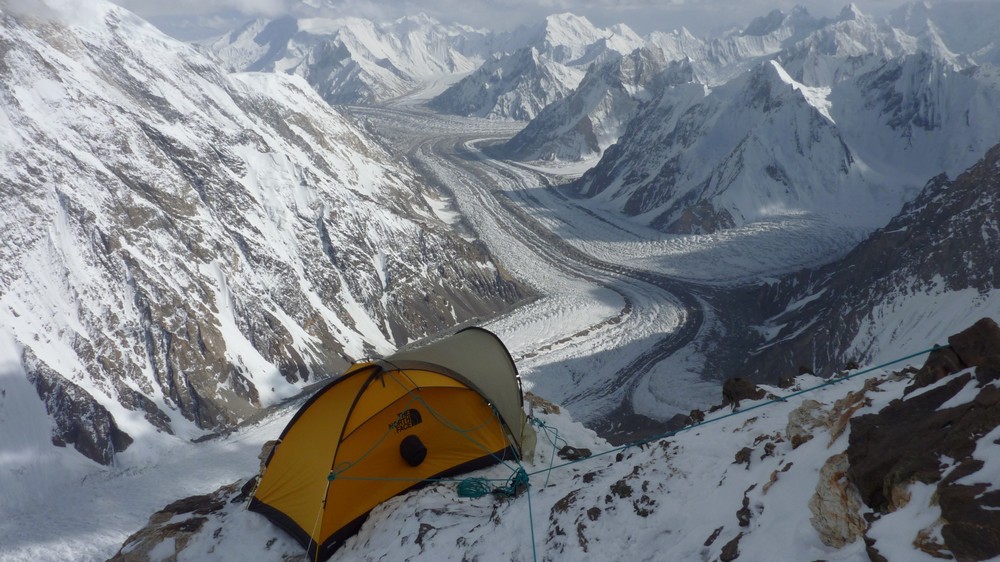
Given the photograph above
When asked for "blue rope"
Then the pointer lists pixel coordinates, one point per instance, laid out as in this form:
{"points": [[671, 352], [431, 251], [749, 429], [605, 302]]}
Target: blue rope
{"points": [[479, 487], [474, 487], [531, 516], [671, 433], [554, 441]]}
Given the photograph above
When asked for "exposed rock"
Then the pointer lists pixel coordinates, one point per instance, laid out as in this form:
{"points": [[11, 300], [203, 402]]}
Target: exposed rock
{"points": [[173, 526], [873, 554], [836, 505], [979, 345], [743, 456], [80, 420], [537, 402], [844, 409], [731, 550], [573, 453], [711, 538], [736, 389], [940, 363], [265, 454], [743, 514], [621, 489], [927, 542], [803, 420], [904, 442], [972, 516]]}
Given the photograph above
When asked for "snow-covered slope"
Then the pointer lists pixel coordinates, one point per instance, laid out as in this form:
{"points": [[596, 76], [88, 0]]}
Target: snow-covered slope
{"points": [[846, 472], [183, 247], [354, 60], [541, 64], [931, 267], [758, 146]]}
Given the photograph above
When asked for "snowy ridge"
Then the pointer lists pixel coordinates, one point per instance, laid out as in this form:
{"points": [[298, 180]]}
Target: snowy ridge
{"points": [[966, 27], [593, 116], [354, 60], [544, 64], [586, 122], [514, 87]]}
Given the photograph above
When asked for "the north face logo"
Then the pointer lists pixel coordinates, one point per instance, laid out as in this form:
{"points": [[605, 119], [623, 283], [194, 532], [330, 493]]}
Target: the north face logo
{"points": [[406, 420]]}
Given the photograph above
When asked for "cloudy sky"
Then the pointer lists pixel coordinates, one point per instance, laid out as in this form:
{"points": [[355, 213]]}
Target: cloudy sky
{"points": [[190, 18]]}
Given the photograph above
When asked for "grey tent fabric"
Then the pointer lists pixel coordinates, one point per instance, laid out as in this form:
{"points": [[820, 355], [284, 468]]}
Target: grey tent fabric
{"points": [[482, 359]]}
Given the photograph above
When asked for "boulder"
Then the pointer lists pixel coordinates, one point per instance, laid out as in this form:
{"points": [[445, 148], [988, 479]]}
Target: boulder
{"points": [[736, 389], [940, 363], [836, 505], [803, 420], [979, 345]]}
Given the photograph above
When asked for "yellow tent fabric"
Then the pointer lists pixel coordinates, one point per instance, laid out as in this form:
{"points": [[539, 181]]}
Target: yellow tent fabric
{"points": [[384, 427]]}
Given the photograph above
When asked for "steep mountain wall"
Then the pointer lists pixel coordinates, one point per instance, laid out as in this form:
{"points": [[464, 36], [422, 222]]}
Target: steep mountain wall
{"points": [[184, 247]]}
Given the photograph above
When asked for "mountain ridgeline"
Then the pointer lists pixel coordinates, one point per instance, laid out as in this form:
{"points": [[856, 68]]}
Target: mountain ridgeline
{"points": [[184, 247], [928, 261]]}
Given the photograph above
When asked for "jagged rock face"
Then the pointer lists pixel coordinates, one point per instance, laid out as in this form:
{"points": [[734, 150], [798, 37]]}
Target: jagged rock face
{"points": [[923, 438], [513, 87], [593, 116], [195, 246], [696, 161], [538, 66], [175, 525], [80, 420], [966, 27], [941, 243]]}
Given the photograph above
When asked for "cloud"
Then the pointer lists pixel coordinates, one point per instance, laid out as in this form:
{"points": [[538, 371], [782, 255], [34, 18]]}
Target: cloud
{"points": [[700, 16], [266, 8], [62, 11]]}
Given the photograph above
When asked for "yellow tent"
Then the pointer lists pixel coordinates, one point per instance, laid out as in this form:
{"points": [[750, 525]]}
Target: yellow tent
{"points": [[386, 426]]}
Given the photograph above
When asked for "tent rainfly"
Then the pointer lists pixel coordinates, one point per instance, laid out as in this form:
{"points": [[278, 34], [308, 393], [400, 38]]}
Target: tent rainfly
{"points": [[384, 427]]}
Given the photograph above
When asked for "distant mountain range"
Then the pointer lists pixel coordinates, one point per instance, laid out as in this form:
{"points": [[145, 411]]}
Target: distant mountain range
{"points": [[849, 120]]}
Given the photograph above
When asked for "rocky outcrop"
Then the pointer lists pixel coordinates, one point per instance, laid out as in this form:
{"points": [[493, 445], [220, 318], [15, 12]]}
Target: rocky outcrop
{"points": [[174, 526], [736, 389], [909, 440], [80, 420], [836, 505], [803, 421]]}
